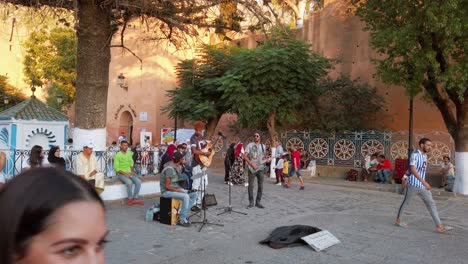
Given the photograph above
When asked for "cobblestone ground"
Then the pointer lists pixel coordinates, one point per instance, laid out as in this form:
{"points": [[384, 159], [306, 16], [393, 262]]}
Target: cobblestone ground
{"points": [[361, 219]]}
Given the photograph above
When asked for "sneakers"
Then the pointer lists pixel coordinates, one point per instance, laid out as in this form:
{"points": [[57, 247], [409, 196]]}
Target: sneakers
{"points": [[259, 205], [302, 188], [138, 202], [195, 208], [278, 184], [184, 223], [286, 186], [251, 205], [129, 202]]}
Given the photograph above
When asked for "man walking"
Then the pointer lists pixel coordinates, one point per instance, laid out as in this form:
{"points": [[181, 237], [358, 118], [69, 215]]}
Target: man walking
{"points": [[123, 165], [255, 157], [416, 184]]}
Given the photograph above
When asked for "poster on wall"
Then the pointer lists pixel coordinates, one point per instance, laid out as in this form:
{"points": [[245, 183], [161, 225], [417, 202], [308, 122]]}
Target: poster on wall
{"points": [[183, 135], [146, 139], [167, 136]]}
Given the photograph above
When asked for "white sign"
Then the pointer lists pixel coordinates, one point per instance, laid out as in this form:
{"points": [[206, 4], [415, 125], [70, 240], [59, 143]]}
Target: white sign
{"points": [[143, 116], [321, 240]]}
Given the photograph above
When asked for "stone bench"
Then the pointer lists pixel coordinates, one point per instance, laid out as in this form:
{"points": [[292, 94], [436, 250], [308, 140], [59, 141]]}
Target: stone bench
{"points": [[116, 190]]}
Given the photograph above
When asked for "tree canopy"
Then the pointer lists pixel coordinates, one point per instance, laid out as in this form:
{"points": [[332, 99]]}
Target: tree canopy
{"points": [[13, 94], [423, 47], [50, 61]]}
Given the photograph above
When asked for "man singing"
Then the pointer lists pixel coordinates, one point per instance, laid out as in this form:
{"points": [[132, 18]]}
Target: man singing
{"points": [[199, 172], [255, 157]]}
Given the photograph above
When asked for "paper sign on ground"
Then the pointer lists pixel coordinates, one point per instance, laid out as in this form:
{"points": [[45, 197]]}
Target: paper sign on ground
{"points": [[321, 240]]}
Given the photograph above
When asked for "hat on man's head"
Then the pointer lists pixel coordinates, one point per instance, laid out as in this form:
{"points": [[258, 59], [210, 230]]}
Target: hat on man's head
{"points": [[88, 144], [178, 156], [199, 125]]}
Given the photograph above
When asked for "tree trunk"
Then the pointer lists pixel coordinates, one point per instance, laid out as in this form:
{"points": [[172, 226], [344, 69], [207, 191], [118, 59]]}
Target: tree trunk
{"points": [[93, 59], [211, 125], [301, 5], [271, 125], [461, 150]]}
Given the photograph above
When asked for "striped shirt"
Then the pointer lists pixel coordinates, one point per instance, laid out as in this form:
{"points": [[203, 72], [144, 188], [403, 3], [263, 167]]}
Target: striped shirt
{"points": [[419, 160]]}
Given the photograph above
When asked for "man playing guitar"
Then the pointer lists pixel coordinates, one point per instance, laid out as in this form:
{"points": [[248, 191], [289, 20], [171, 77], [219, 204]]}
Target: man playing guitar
{"points": [[200, 175], [255, 156]]}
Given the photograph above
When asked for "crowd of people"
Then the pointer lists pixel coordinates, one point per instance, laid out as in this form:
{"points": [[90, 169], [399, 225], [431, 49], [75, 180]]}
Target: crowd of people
{"points": [[62, 214]]}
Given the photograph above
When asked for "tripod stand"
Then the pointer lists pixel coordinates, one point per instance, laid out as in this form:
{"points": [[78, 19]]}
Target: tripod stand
{"points": [[205, 220], [229, 209]]}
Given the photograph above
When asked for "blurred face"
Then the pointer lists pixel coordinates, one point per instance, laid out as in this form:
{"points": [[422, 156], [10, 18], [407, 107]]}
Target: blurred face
{"points": [[57, 153], [198, 131], [257, 137], [124, 147], [87, 151], [446, 160], [75, 234], [427, 147]]}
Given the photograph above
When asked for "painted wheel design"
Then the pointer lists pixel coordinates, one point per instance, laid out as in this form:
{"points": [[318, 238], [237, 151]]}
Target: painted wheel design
{"points": [[41, 136], [399, 150], [295, 141], [371, 146], [439, 150], [344, 149], [318, 148]]}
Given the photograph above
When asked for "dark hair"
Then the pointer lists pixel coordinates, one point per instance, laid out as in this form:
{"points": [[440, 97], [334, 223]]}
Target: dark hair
{"points": [[35, 159], [423, 141], [382, 156], [181, 146], [53, 159], [25, 214], [446, 157], [123, 142], [70, 140], [374, 155]]}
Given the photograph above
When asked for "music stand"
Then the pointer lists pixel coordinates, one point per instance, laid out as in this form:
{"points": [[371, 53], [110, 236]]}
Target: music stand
{"points": [[205, 220], [229, 209]]}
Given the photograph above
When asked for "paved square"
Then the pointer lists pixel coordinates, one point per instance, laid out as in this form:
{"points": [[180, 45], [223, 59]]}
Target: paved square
{"points": [[361, 219]]}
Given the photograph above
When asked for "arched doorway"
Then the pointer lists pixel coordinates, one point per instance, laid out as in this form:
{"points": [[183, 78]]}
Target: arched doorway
{"points": [[126, 126]]}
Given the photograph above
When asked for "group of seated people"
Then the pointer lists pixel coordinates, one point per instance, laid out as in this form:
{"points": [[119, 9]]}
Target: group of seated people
{"points": [[378, 168]]}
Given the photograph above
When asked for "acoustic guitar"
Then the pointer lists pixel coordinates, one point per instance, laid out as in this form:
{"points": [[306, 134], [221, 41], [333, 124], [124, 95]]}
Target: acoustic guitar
{"points": [[206, 160]]}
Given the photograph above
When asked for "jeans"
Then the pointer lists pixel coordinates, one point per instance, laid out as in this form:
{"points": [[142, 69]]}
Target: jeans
{"points": [[188, 200], [129, 182], [383, 175], [294, 170], [252, 176], [200, 181]]}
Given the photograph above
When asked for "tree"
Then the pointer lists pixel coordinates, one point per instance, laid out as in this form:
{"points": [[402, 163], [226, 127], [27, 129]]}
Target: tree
{"points": [[341, 104], [14, 95], [423, 46], [50, 61], [266, 85], [97, 21], [197, 96]]}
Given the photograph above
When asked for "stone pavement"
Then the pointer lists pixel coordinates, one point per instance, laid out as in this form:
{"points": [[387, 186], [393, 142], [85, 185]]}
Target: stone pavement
{"points": [[361, 219]]}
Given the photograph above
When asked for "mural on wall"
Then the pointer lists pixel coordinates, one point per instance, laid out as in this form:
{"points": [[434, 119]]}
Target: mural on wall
{"points": [[42, 137]]}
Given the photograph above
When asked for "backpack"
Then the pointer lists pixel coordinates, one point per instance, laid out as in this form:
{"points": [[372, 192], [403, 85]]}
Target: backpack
{"points": [[352, 175], [152, 213]]}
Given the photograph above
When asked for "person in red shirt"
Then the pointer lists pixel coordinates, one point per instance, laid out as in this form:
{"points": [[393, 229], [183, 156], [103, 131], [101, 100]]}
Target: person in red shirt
{"points": [[295, 166], [384, 169]]}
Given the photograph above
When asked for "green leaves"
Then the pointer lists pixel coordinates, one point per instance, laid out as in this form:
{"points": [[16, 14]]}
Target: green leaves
{"points": [[50, 60]]}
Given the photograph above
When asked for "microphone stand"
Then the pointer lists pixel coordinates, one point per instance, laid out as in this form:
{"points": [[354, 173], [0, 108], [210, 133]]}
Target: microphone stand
{"points": [[229, 209]]}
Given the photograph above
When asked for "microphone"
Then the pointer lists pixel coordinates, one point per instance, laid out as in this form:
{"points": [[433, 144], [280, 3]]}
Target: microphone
{"points": [[221, 134]]}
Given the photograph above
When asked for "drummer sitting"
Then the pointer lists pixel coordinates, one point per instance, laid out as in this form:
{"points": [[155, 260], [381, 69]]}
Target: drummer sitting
{"points": [[170, 188]]}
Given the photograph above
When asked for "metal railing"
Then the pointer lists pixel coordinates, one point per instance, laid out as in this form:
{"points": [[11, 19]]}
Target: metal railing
{"points": [[145, 161]]}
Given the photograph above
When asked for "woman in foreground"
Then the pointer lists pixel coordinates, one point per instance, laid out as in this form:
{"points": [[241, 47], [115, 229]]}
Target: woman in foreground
{"points": [[51, 216]]}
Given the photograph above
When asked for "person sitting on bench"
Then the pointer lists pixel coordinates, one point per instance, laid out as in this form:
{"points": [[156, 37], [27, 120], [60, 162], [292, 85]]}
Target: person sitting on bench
{"points": [[169, 184]]}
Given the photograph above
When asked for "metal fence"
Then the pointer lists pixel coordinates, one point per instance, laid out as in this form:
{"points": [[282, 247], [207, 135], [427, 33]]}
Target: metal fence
{"points": [[146, 161]]}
